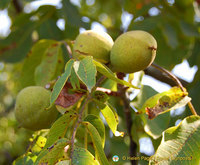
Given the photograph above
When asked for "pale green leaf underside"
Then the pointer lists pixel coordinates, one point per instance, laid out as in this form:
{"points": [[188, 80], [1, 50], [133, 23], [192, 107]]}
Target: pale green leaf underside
{"points": [[180, 144], [86, 71]]}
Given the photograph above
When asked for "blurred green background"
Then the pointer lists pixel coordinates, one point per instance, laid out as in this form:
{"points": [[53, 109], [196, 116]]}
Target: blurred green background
{"points": [[174, 24]]}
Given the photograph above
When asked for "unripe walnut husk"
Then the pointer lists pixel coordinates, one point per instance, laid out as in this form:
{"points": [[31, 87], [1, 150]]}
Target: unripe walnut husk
{"points": [[31, 108], [91, 43], [133, 51]]}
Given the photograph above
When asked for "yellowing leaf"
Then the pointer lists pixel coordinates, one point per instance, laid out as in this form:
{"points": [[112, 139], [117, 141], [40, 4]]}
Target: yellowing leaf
{"points": [[163, 102]]}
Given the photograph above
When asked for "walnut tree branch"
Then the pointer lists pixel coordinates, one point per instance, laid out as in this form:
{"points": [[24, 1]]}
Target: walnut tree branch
{"points": [[129, 121], [77, 124], [18, 6], [155, 73]]}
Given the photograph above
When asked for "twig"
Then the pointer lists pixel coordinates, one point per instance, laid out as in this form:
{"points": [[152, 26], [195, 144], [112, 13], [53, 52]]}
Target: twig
{"points": [[175, 79], [129, 121], [77, 124]]}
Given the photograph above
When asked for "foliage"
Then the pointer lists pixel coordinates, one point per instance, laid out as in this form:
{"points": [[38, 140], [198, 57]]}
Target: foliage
{"points": [[97, 120]]}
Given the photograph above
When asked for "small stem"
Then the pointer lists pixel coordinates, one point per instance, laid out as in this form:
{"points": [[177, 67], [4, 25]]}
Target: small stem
{"points": [[77, 124], [175, 79]]}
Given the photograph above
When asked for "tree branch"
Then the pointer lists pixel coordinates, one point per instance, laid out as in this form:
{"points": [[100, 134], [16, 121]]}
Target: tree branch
{"points": [[155, 73], [129, 122], [18, 6], [77, 124]]}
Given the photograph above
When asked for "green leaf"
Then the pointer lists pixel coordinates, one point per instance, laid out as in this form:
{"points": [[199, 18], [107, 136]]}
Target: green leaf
{"points": [[25, 160], [59, 128], [108, 73], [61, 82], [145, 93], [60, 67], [86, 71], [16, 46], [4, 4], [155, 127], [194, 58], [47, 68], [148, 24], [170, 36], [189, 29], [32, 60], [75, 18], [96, 139], [110, 116], [49, 29], [180, 144], [165, 101], [98, 124], [172, 56], [82, 156], [54, 154], [74, 80]]}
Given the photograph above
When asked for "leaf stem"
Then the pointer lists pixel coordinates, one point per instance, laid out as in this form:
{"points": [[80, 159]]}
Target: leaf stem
{"points": [[176, 80], [77, 124]]}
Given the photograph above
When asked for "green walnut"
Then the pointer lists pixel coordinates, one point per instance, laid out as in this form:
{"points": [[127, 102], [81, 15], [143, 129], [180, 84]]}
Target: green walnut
{"points": [[31, 108], [91, 43], [133, 51]]}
